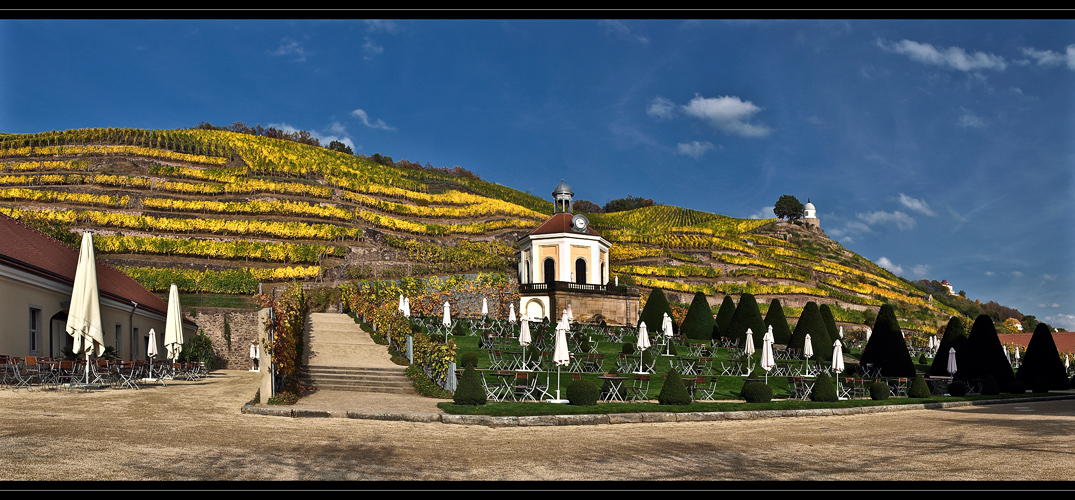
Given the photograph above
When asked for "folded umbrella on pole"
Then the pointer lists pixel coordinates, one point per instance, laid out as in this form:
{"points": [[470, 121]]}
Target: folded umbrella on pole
{"points": [[84, 313], [173, 326]]}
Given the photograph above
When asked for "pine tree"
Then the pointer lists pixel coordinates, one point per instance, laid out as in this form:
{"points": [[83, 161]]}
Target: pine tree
{"points": [[698, 323], [886, 349], [984, 355], [1042, 360], [724, 315], [830, 322], [810, 322], [775, 317], [955, 335], [747, 315], [655, 309]]}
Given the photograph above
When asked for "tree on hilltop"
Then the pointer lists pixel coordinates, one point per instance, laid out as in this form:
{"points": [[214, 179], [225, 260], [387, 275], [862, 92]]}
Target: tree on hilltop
{"points": [[788, 207]]}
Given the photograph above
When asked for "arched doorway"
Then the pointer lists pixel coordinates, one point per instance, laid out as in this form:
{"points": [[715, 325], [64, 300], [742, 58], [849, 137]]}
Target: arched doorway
{"points": [[550, 270], [535, 310], [580, 270]]}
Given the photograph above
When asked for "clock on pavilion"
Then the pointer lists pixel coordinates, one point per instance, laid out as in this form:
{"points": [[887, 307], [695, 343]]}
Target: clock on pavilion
{"points": [[565, 262]]}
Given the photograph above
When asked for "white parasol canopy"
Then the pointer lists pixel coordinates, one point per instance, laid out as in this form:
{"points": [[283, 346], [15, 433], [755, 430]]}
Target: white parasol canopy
{"points": [[642, 344], [511, 313], [406, 307], [401, 303], [524, 333], [84, 313], [837, 361], [808, 347], [561, 356], [767, 359], [952, 368], [173, 325], [841, 332], [869, 331], [151, 349], [749, 347], [666, 330], [485, 307], [446, 320], [570, 315]]}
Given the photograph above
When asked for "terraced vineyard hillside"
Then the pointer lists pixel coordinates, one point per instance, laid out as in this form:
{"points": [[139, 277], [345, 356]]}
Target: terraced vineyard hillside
{"points": [[222, 212]]}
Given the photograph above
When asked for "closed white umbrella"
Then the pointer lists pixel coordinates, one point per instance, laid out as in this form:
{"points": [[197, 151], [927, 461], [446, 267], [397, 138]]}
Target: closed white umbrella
{"points": [[1007, 355], [841, 332], [511, 313], [749, 347], [1016, 355], [84, 313], [401, 303], [808, 349], [485, 307], [869, 331], [1067, 362], [524, 340], [446, 318], [767, 359], [570, 315], [561, 356], [151, 351], [406, 307], [952, 368], [837, 362], [642, 344], [666, 329], [173, 325]]}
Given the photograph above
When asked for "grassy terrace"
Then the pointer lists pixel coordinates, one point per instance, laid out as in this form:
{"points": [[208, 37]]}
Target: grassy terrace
{"points": [[726, 399]]}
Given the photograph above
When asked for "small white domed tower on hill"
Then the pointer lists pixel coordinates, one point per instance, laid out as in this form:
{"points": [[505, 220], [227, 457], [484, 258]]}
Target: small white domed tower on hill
{"points": [[810, 215]]}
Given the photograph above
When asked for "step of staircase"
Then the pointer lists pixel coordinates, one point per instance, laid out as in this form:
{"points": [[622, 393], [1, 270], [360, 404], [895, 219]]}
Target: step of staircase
{"points": [[359, 379], [340, 356]]}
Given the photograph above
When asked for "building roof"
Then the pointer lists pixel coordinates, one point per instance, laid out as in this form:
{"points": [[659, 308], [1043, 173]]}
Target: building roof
{"points": [[26, 248], [559, 223]]}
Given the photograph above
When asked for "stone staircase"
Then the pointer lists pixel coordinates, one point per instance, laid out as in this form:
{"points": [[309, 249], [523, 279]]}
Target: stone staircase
{"points": [[340, 356]]}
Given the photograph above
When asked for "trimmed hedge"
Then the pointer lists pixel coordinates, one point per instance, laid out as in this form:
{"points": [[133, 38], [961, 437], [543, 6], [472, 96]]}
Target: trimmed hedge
{"points": [[583, 392], [674, 391], [757, 392], [470, 390], [879, 390]]}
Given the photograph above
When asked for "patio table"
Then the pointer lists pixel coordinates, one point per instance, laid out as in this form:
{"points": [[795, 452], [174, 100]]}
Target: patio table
{"points": [[612, 387]]}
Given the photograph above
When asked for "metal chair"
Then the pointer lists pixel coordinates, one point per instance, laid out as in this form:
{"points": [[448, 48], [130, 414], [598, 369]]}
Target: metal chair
{"points": [[525, 384], [638, 388], [705, 388]]}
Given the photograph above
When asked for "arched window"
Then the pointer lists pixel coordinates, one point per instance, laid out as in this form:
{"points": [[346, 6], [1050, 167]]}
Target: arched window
{"points": [[580, 270], [550, 270]]}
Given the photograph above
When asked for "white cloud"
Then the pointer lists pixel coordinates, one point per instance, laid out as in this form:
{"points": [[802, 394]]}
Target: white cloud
{"points": [[1049, 277], [1066, 322], [729, 114], [887, 264], [920, 271], [661, 107], [620, 30], [694, 149], [292, 48], [362, 116], [1017, 274], [970, 120], [990, 273], [764, 213], [381, 26], [1053, 305], [902, 220], [371, 49], [950, 58], [916, 205], [1052, 58]]}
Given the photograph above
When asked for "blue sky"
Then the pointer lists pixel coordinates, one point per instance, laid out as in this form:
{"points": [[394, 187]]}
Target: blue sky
{"points": [[940, 149]]}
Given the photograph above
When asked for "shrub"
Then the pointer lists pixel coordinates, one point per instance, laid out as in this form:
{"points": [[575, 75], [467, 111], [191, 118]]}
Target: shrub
{"points": [[459, 330], [886, 348], [583, 392], [468, 359], [470, 390], [990, 387], [699, 321], [824, 390], [757, 392], [957, 388], [1040, 385], [919, 388], [1016, 387], [199, 348], [628, 348], [879, 390], [674, 391], [922, 359]]}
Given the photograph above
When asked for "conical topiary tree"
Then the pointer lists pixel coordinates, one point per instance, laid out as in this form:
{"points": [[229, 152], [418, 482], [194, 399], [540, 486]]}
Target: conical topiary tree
{"points": [[469, 391], [887, 350], [747, 315], [655, 309], [955, 335], [824, 388], [1042, 361], [724, 315], [830, 322], [775, 317], [698, 323], [984, 355], [810, 322], [674, 391]]}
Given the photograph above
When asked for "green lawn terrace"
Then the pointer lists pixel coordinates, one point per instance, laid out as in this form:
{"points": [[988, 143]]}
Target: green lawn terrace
{"points": [[596, 358]]}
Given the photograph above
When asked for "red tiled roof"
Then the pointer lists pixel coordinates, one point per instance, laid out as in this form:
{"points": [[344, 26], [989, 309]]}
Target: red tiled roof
{"points": [[560, 223], [26, 248]]}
